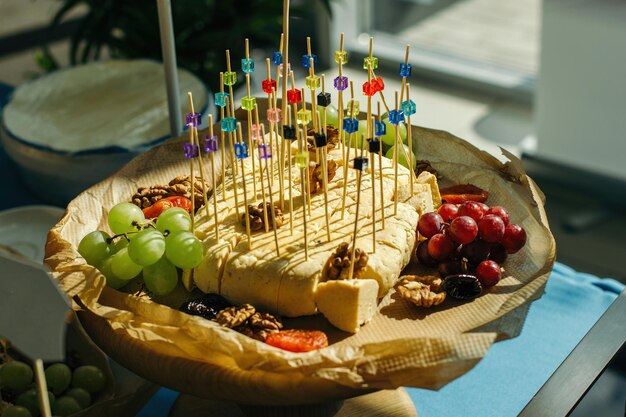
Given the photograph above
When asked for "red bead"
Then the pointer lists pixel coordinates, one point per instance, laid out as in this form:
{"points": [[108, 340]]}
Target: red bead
{"points": [[379, 84], [268, 85], [369, 88], [294, 96]]}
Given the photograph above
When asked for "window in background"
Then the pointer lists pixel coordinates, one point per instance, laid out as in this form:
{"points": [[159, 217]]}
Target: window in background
{"points": [[490, 43]]}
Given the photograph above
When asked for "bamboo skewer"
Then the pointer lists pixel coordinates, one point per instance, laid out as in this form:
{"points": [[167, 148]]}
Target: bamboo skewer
{"points": [[287, 117], [191, 173], [201, 169], [406, 61], [222, 142], [233, 164], [212, 156], [303, 181], [395, 164], [250, 144], [269, 187], [325, 165], [380, 175], [305, 146], [269, 106], [346, 171], [359, 174], [342, 142], [232, 105], [281, 156], [245, 192], [409, 139], [266, 222]]}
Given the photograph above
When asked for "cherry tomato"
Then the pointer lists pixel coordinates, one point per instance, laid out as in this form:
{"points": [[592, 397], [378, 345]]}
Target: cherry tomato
{"points": [[165, 203]]}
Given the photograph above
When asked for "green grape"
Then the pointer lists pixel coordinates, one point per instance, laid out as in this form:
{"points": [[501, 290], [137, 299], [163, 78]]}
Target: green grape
{"points": [[66, 406], [332, 115], [89, 378], [184, 250], [16, 411], [162, 277], [94, 247], [123, 267], [58, 377], [401, 158], [121, 243], [389, 138], [81, 395], [147, 247], [122, 216], [29, 399], [174, 219], [113, 280], [16, 375]]}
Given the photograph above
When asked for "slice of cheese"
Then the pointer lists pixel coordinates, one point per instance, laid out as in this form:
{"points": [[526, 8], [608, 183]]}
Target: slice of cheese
{"points": [[347, 304]]}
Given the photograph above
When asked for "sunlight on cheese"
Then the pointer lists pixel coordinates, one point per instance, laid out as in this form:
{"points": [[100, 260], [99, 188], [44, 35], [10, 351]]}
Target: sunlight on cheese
{"points": [[347, 304]]}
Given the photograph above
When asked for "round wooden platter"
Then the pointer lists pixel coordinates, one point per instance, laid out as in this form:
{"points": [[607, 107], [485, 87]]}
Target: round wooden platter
{"points": [[218, 375], [385, 403]]}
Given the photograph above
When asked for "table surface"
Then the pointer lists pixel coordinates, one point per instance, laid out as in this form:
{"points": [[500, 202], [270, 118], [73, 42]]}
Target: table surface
{"points": [[513, 371]]}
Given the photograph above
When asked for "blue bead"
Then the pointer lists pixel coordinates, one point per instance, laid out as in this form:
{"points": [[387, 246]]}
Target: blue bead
{"points": [[405, 70], [221, 99], [277, 58], [396, 117], [408, 107], [229, 124], [306, 60], [247, 65], [241, 150], [380, 128], [350, 125]]}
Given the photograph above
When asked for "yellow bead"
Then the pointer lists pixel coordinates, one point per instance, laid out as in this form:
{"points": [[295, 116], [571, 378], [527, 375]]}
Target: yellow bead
{"points": [[302, 160], [352, 109], [341, 57], [304, 117], [313, 82]]}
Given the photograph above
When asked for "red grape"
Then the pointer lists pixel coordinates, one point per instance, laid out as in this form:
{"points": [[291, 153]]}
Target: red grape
{"points": [[484, 206], [440, 246], [423, 256], [514, 238], [471, 209], [476, 251], [429, 224], [491, 228], [463, 229], [498, 253], [488, 273], [501, 213], [448, 211]]}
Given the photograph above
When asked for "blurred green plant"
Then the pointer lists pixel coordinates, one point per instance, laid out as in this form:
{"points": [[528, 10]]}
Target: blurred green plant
{"points": [[129, 29]]}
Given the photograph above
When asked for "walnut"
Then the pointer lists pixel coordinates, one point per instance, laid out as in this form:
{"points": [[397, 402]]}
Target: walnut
{"points": [[338, 265], [265, 321], [421, 291], [147, 196], [332, 135], [424, 165], [235, 316], [316, 175], [257, 217], [257, 334]]}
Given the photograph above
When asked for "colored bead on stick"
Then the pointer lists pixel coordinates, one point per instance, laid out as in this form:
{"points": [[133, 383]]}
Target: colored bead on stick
{"points": [[221, 99], [247, 65], [274, 115], [306, 60], [289, 132], [378, 83], [370, 61], [248, 103], [304, 117], [190, 151], [396, 116], [369, 88], [353, 108], [302, 160], [341, 57], [210, 143], [350, 125], [361, 163], [380, 128], [323, 99], [192, 119], [313, 82], [320, 140], [341, 83], [241, 150], [294, 96], [277, 58], [373, 145], [230, 78], [265, 151], [409, 108], [229, 124], [268, 85], [405, 70], [256, 132], [280, 69]]}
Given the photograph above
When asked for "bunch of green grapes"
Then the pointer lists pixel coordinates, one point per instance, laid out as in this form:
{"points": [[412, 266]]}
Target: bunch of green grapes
{"points": [[153, 249], [69, 391]]}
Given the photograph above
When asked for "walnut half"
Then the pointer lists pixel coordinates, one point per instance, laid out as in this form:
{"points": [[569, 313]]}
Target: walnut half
{"points": [[421, 291], [339, 263], [257, 217], [316, 174]]}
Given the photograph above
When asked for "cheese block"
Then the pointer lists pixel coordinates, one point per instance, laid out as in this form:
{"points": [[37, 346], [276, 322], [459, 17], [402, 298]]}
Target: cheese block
{"points": [[348, 304], [287, 284]]}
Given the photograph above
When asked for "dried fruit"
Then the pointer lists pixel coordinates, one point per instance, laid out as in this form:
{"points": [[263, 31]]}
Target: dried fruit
{"points": [[206, 306], [298, 340], [461, 193], [462, 286], [424, 166], [339, 263], [166, 203]]}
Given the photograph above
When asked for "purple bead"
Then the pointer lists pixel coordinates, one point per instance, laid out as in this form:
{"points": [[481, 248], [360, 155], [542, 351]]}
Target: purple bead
{"points": [[241, 150], [341, 83], [190, 151], [265, 151], [210, 144], [192, 119], [380, 128], [396, 116]]}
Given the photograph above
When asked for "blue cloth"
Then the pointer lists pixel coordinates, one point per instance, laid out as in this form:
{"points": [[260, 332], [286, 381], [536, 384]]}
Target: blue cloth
{"points": [[513, 370]]}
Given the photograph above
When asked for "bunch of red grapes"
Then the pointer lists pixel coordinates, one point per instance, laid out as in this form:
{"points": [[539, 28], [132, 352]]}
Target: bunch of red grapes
{"points": [[470, 238]]}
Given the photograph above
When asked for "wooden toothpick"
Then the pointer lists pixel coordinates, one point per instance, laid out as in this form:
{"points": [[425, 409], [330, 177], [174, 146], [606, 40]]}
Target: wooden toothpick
{"points": [[245, 192], [409, 139], [266, 222], [380, 175], [269, 187], [233, 164], [191, 173], [250, 141], [212, 156], [395, 163]]}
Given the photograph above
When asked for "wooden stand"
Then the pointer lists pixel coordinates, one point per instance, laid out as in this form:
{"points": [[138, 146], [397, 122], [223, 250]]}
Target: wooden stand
{"points": [[387, 403]]}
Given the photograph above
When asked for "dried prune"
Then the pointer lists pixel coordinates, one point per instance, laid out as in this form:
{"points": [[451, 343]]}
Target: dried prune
{"points": [[206, 306], [462, 286]]}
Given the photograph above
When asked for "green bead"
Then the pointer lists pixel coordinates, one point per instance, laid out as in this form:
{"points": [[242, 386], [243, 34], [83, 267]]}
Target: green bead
{"points": [[248, 103], [304, 117], [341, 57], [352, 109], [230, 78], [302, 160], [313, 82], [370, 61]]}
